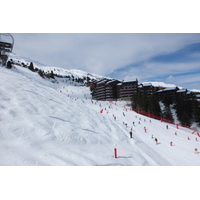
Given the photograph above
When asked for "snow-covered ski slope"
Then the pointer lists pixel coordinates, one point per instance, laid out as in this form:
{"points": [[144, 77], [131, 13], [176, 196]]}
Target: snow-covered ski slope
{"points": [[44, 123]]}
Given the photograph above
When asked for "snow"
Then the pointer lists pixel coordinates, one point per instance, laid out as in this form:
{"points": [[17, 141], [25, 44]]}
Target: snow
{"points": [[158, 84], [44, 124], [194, 90], [181, 91], [56, 124]]}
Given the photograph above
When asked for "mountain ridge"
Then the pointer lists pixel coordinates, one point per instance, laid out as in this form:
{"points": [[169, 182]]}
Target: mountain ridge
{"points": [[76, 73]]}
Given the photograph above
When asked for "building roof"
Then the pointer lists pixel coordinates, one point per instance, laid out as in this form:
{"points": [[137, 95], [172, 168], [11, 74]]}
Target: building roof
{"points": [[179, 91], [112, 81], [167, 89], [146, 84]]}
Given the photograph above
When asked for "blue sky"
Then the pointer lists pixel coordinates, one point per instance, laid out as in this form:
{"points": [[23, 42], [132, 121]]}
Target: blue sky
{"points": [[180, 67], [167, 57]]}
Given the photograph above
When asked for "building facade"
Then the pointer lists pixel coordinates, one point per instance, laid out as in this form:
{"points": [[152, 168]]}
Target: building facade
{"points": [[126, 89]]}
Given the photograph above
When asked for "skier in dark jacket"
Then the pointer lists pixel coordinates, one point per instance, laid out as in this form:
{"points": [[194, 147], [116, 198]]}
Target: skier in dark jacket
{"points": [[156, 140], [131, 133]]}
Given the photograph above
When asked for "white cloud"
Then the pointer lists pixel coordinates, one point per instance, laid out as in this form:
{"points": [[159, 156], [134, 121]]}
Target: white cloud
{"points": [[109, 51], [181, 74], [106, 53], [189, 81], [170, 79]]}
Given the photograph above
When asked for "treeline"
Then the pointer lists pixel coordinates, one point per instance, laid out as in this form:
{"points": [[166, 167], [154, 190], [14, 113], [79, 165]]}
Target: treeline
{"points": [[53, 75], [49, 74], [148, 104], [187, 109]]}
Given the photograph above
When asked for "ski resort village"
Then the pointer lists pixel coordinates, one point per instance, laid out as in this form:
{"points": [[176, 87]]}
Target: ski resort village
{"points": [[51, 116]]}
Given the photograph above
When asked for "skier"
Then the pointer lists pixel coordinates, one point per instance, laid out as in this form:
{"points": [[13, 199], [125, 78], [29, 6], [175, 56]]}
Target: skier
{"points": [[196, 150], [145, 130], [156, 140], [171, 143], [152, 137], [131, 133], [188, 138], [175, 133], [166, 126]]}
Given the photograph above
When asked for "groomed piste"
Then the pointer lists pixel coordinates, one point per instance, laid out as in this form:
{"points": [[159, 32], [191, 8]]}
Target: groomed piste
{"points": [[58, 124]]}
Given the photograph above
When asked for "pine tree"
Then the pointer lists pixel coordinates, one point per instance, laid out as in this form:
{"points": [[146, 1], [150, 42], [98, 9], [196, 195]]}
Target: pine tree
{"points": [[167, 100], [154, 107], [31, 67], [186, 119], [41, 73], [134, 101], [197, 114], [9, 65], [183, 110], [52, 74], [167, 114]]}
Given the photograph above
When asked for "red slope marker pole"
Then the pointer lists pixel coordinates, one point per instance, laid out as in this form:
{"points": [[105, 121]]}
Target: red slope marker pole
{"points": [[115, 152]]}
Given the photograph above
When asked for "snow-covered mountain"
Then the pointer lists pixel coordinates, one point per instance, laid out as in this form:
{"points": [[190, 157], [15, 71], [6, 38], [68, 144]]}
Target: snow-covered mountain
{"points": [[43, 123], [56, 70]]}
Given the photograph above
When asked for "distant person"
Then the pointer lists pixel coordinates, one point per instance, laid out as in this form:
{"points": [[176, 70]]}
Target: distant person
{"points": [[131, 133], [156, 140], [196, 150]]}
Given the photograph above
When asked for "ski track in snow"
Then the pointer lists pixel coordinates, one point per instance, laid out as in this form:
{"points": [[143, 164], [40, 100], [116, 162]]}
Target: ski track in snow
{"points": [[44, 123]]}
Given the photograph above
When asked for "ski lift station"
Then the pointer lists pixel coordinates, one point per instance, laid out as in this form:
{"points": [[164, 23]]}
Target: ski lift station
{"points": [[6, 46]]}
